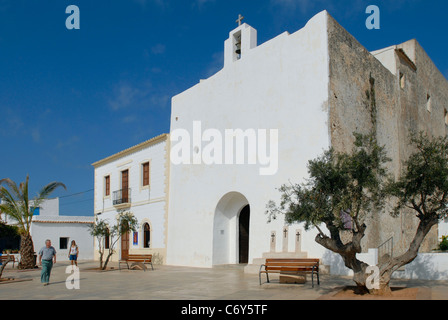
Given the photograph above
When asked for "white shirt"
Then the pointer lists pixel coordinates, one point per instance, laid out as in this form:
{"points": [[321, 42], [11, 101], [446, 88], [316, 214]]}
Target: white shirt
{"points": [[73, 250]]}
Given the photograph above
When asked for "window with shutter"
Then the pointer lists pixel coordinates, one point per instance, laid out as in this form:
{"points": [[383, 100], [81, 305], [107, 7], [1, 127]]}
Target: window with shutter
{"points": [[145, 169], [107, 186]]}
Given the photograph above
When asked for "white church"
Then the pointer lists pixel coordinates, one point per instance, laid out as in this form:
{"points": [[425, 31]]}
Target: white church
{"points": [[200, 192]]}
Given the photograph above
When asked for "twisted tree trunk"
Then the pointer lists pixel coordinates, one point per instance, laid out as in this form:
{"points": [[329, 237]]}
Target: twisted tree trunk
{"points": [[360, 277], [26, 252], [389, 268], [348, 253]]}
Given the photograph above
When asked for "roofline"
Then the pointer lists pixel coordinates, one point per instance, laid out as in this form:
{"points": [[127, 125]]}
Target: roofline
{"points": [[135, 148], [402, 54]]}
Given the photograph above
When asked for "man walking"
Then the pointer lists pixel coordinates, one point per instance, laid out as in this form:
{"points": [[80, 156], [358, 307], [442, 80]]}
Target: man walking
{"points": [[47, 256]]}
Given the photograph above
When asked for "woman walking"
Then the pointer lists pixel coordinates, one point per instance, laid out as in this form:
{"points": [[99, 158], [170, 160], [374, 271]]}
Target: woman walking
{"points": [[74, 252]]}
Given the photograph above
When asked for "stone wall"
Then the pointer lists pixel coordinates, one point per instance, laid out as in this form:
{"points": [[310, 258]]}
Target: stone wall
{"points": [[367, 91]]}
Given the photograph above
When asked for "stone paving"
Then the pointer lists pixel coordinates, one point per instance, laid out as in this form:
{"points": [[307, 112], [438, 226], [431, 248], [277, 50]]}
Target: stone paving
{"points": [[175, 283]]}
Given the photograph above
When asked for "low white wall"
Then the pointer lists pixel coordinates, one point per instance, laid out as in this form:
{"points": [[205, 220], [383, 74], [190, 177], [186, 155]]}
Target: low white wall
{"points": [[337, 266], [427, 266]]}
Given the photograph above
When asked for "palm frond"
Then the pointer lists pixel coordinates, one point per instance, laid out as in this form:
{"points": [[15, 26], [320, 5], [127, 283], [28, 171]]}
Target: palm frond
{"points": [[11, 207], [16, 201], [49, 189], [13, 187]]}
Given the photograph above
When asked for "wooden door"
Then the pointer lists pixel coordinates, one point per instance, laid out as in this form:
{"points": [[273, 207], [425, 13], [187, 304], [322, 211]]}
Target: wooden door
{"points": [[125, 186], [125, 246]]}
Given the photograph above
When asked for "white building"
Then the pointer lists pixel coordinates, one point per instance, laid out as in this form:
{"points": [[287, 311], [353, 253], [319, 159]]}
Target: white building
{"points": [[61, 230], [265, 87], [239, 135], [136, 180]]}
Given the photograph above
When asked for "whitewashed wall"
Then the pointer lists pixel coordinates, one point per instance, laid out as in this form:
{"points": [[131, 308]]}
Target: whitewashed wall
{"points": [[41, 231], [427, 266], [155, 154], [49, 207], [443, 228], [273, 86], [147, 204]]}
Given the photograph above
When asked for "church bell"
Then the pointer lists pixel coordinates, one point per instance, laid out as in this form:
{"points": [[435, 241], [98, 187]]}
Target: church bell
{"points": [[238, 48], [238, 45]]}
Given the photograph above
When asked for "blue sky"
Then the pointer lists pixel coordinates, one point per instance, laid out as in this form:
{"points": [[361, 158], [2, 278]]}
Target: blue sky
{"points": [[71, 97]]}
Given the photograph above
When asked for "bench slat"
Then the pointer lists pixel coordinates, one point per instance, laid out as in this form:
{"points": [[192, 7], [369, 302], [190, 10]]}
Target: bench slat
{"points": [[289, 261], [289, 267], [290, 264]]}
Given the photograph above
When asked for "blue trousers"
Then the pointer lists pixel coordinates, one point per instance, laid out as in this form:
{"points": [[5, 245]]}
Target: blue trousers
{"points": [[46, 270]]}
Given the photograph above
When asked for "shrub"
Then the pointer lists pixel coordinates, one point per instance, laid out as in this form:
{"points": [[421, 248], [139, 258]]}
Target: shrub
{"points": [[443, 245]]}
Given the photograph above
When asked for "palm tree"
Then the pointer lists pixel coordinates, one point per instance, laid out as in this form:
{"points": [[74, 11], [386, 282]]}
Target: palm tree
{"points": [[17, 205]]}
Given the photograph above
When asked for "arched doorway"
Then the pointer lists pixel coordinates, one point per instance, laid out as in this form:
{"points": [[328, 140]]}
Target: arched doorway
{"points": [[243, 234], [146, 235], [231, 208]]}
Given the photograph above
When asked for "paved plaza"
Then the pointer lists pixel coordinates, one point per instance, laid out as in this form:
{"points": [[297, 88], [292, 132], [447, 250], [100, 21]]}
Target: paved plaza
{"points": [[177, 283]]}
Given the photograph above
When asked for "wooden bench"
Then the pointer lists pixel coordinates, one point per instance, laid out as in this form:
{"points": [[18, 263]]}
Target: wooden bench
{"points": [[141, 258], [291, 267], [4, 259]]}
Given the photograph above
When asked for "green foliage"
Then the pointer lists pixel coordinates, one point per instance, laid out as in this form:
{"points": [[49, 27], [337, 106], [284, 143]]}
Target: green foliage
{"points": [[423, 185], [99, 229], [338, 182], [443, 245], [16, 202], [358, 185], [7, 231], [126, 222]]}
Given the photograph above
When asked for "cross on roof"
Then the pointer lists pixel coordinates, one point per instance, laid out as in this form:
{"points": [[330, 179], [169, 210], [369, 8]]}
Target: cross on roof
{"points": [[240, 18]]}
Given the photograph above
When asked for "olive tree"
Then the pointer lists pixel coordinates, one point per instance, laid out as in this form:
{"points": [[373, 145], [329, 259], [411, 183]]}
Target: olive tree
{"points": [[356, 186], [340, 186], [421, 189], [126, 222]]}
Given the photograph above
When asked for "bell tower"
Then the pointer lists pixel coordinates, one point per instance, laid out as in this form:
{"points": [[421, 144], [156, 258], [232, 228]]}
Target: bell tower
{"points": [[240, 41]]}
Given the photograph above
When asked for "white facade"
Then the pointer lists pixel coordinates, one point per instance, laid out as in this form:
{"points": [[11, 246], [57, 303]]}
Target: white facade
{"points": [[49, 207], [147, 202], [61, 230], [270, 86], [443, 228], [200, 190], [284, 84]]}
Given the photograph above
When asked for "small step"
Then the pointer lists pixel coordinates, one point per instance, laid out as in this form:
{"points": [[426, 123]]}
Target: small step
{"points": [[230, 266]]}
